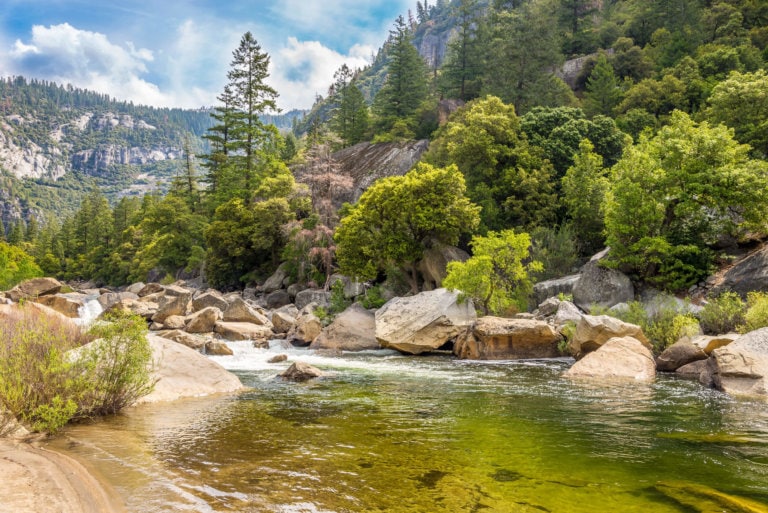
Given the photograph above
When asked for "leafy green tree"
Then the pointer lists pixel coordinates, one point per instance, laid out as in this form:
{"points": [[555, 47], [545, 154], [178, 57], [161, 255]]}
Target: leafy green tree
{"points": [[659, 97], [496, 276], [399, 217], [507, 177], [603, 92], [16, 266], [741, 102], [675, 194], [406, 85], [584, 187]]}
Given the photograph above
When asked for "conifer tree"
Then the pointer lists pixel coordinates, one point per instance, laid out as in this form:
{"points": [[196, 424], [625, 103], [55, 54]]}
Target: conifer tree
{"points": [[461, 69], [603, 92]]}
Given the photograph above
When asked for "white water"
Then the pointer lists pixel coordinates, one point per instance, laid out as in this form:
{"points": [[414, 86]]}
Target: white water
{"points": [[89, 312]]}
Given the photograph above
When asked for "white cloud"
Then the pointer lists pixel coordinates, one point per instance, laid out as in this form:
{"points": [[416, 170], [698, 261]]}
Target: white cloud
{"points": [[302, 69]]}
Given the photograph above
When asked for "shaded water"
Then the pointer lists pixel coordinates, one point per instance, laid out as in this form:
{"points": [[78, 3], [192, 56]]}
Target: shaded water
{"points": [[431, 434]]}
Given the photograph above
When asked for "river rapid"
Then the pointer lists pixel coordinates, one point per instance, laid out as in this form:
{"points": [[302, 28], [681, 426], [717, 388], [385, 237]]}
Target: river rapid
{"points": [[387, 432]]}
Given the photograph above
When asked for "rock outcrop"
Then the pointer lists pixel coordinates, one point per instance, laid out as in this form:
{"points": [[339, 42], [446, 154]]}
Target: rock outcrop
{"points": [[34, 288], [352, 330], [203, 321], [741, 367], [749, 274], [594, 331], [495, 338], [551, 288], [602, 287], [423, 322], [624, 357]]}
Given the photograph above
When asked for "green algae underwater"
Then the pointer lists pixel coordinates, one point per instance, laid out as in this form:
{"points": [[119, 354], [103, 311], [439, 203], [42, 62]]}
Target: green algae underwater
{"points": [[391, 433]]}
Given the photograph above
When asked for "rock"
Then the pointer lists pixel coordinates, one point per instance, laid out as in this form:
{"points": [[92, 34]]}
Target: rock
{"points": [[35, 287], [495, 338], [435, 261], [242, 331], [697, 497], [300, 371], [278, 358], [352, 330], [283, 322], [144, 309], [294, 289], [178, 291], [307, 329], [10, 427], [423, 322], [275, 282], [209, 299], [709, 343], [567, 312], [319, 296], [277, 299], [678, 354], [600, 286], [69, 305], [172, 305], [108, 300], [352, 287], [749, 274], [217, 348], [619, 357], [174, 322], [151, 288], [692, 370], [741, 367], [195, 342], [548, 307], [203, 321], [594, 331], [183, 372], [135, 288], [240, 311], [552, 288]]}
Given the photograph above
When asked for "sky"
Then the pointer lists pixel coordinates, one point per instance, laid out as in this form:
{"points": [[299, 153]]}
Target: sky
{"points": [[174, 53]]}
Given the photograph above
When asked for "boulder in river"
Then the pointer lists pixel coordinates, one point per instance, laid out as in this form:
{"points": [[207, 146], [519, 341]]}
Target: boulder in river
{"points": [[68, 305], [240, 311], [741, 367], [592, 331], [352, 330], [496, 338], [34, 288], [619, 357], [242, 331], [424, 322], [203, 321], [300, 371], [678, 354]]}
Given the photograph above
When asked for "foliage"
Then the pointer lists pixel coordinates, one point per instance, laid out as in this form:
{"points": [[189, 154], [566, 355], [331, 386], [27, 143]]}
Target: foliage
{"points": [[399, 217], [310, 251], [350, 119], [603, 92], [723, 313], [676, 193], [338, 301], [460, 76], [507, 177], [496, 276], [756, 316], [47, 378], [16, 266], [584, 187], [555, 248], [373, 298]]}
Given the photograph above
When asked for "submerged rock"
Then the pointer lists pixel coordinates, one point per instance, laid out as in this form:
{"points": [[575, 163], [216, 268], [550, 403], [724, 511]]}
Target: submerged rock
{"points": [[741, 367], [278, 358], [702, 499], [300, 371], [678, 354]]}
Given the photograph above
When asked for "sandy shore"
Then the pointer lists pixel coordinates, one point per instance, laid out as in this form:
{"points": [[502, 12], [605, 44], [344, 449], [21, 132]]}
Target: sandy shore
{"points": [[38, 480]]}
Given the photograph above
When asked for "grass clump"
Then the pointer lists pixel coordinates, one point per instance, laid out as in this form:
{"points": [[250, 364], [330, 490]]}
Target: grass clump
{"points": [[723, 313], [49, 376]]}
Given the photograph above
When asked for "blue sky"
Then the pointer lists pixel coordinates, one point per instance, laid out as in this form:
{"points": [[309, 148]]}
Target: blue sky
{"points": [[176, 53]]}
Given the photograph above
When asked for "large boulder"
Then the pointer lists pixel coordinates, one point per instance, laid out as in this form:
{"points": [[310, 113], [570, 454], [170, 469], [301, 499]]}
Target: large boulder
{"points": [[135, 288], [145, 309], [709, 343], [218, 348], [567, 312], [678, 354], [203, 321], [183, 372], [284, 320], [495, 338], [190, 340], [300, 371], [352, 330], [741, 367], [172, 305], [68, 305], [592, 331], [208, 299], [35, 287], [306, 330], [277, 299], [552, 288], [620, 357], [275, 282], [319, 296], [174, 322], [749, 274], [424, 322], [240, 311], [110, 299], [242, 331], [435, 261], [150, 288], [599, 286], [33, 308]]}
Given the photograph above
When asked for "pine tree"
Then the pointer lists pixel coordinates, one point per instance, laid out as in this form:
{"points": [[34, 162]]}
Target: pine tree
{"points": [[2, 231], [461, 69], [603, 92], [350, 118], [219, 137]]}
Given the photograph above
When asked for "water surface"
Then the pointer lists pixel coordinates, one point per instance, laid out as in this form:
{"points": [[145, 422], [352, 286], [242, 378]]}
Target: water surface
{"points": [[386, 432]]}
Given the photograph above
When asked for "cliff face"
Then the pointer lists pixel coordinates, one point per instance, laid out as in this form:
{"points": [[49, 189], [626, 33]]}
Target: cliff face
{"points": [[432, 43]]}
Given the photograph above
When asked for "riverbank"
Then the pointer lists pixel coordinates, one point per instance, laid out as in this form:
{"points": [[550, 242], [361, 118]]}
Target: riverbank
{"points": [[38, 480]]}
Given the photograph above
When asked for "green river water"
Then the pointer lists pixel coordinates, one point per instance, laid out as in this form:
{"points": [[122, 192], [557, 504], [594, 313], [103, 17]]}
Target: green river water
{"points": [[433, 434]]}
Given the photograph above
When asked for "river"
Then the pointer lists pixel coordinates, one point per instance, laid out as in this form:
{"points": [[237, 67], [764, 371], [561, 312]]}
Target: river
{"points": [[386, 432]]}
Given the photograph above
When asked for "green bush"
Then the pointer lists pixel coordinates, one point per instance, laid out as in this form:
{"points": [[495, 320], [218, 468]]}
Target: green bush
{"points": [[48, 378], [16, 266], [722, 314], [373, 298], [756, 316]]}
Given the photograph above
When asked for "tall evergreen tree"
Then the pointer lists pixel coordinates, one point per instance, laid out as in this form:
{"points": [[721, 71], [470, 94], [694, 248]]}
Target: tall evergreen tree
{"points": [[406, 85], [350, 119], [462, 66], [603, 92]]}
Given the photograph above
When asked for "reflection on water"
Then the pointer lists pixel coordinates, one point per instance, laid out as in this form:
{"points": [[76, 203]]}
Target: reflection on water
{"points": [[409, 434]]}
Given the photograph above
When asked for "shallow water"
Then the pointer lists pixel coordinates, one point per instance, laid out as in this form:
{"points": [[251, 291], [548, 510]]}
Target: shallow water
{"points": [[392, 433]]}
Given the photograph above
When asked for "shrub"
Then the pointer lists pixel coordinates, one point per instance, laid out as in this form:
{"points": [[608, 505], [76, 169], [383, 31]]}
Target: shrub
{"points": [[756, 316], [373, 298], [722, 314], [16, 266], [47, 378]]}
